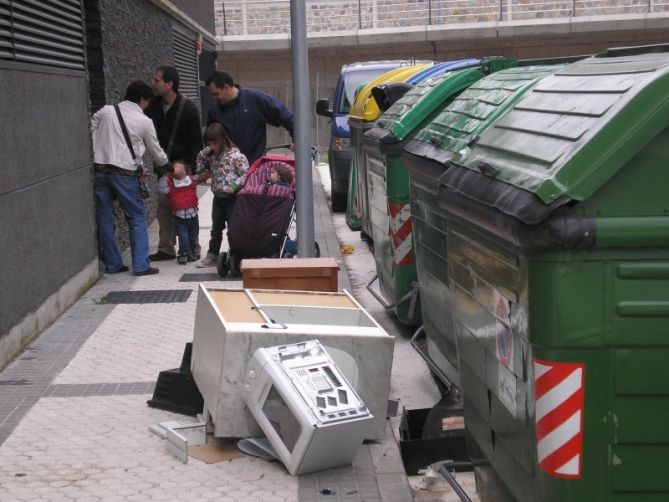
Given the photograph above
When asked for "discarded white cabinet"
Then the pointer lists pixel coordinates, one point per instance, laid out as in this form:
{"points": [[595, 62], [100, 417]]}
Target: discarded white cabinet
{"points": [[231, 324]]}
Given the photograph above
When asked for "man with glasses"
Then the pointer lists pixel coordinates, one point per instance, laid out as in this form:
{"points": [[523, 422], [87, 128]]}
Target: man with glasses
{"points": [[177, 122]]}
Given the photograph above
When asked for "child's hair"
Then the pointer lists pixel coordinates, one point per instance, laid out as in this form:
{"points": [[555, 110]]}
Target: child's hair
{"points": [[174, 163], [285, 174], [215, 133]]}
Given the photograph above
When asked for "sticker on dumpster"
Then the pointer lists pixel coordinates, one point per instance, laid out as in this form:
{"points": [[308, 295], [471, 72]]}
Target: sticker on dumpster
{"points": [[504, 342], [506, 389], [400, 233], [558, 401]]}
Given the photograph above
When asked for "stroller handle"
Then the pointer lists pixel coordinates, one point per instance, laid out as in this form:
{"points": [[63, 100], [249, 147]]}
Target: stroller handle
{"points": [[314, 149]]}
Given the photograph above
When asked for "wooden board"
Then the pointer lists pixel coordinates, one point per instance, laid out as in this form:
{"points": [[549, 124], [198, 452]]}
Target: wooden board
{"points": [[302, 299], [296, 274], [235, 306]]}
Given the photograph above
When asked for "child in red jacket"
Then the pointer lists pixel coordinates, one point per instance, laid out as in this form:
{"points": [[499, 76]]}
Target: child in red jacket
{"points": [[181, 190]]}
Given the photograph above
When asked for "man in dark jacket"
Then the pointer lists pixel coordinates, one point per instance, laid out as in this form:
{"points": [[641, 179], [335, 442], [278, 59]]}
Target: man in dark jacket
{"points": [[245, 113], [177, 122]]}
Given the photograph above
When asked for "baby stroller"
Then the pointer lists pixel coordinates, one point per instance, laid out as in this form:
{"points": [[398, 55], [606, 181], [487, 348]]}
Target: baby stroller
{"points": [[262, 216]]}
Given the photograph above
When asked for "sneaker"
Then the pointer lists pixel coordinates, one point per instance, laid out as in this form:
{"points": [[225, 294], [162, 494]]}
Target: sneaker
{"points": [[182, 259], [149, 271], [207, 261], [192, 258]]}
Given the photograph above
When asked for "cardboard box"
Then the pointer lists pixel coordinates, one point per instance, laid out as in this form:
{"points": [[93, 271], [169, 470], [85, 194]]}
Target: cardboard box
{"points": [[295, 274]]}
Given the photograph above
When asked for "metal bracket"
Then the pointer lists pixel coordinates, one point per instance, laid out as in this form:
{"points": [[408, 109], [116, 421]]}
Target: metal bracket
{"points": [[436, 371], [410, 295]]}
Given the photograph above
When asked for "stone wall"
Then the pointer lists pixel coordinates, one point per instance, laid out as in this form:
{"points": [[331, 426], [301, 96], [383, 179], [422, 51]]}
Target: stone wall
{"points": [[137, 37], [126, 40], [243, 17]]}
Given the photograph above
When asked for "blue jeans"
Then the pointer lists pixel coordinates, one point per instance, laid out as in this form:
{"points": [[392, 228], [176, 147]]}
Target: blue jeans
{"points": [[125, 189], [221, 212], [186, 230]]}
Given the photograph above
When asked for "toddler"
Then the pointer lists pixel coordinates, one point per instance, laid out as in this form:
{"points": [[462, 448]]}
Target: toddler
{"points": [[280, 175], [180, 188]]}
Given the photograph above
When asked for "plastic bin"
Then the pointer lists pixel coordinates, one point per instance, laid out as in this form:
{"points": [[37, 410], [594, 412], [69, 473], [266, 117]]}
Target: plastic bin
{"points": [[364, 112], [558, 252], [427, 157], [388, 187]]}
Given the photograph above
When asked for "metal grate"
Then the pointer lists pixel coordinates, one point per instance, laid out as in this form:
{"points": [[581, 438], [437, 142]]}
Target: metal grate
{"points": [[99, 389], [154, 296], [47, 32], [185, 60], [393, 408]]}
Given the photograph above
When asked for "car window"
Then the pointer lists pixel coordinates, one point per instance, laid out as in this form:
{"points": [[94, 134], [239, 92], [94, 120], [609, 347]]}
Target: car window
{"points": [[352, 81]]}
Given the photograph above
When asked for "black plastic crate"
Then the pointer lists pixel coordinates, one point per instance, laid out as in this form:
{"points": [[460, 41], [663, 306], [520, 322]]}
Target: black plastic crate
{"points": [[428, 435]]}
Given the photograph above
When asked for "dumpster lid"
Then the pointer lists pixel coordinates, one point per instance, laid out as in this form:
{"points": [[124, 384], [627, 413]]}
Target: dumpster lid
{"points": [[407, 113], [438, 69], [364, 107], [576, 128], [474, 110]]}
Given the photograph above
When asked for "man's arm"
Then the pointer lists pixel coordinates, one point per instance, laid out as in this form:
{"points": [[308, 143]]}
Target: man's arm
{"points": [[152, 145], [275, 112], [95, 121], [191, 131]]}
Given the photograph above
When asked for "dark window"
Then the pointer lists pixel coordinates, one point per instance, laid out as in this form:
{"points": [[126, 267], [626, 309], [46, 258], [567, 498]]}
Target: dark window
{"points": [[279, 415], [46, 32]]}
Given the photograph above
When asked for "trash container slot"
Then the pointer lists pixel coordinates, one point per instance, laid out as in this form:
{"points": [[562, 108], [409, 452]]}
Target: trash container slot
{"points": [[473, 140]]}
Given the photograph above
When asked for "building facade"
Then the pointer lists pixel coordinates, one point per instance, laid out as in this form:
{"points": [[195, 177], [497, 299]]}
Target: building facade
{"points": [[61, 60]]}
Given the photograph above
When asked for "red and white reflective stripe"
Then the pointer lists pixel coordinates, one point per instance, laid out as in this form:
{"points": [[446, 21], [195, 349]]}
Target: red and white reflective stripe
{"points": [[558, 400], [400, 233]]}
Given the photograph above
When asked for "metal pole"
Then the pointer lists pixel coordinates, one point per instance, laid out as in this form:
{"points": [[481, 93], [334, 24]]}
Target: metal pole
{"points": [[359, 16], [301, 102], [225, 22], [429, 12]]}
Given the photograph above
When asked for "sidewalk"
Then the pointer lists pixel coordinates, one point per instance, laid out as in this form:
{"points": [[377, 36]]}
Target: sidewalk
{"points": [[73, 414]]}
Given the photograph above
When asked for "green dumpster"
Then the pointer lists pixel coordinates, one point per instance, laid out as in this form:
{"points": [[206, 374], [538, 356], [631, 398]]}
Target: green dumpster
{"points": [[388, 183], [558, 251], [426, 158], [352, 203], [363, 114]]}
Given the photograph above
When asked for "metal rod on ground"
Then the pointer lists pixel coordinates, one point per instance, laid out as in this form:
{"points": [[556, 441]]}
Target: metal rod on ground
{"points": [[301, 101], [454, 484]]}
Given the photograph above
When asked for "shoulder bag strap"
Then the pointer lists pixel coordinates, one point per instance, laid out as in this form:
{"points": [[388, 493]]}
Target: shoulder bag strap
{"points": [[177, 119], [125, 133]]}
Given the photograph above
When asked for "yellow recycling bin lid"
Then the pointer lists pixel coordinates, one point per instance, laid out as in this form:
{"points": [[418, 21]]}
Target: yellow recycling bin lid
{"points": [[364, 107]]}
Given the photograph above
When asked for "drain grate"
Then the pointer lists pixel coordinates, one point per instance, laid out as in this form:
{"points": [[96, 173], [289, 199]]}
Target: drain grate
{"points": [[153, 296], [99, 389], [393, 408], [205, 277]]}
